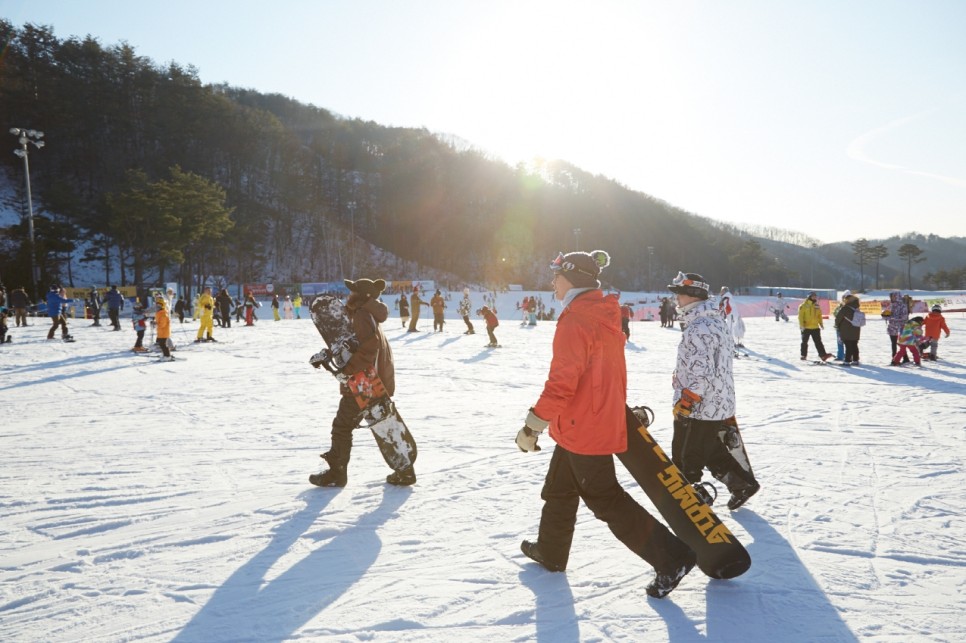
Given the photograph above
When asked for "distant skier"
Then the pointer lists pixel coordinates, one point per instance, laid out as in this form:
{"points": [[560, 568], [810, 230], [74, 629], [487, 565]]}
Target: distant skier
{"points": [[847, 330], [909, 340], [140, 324], [415, 302], [162, 321], [207, 304], [464, 310], [439, 305], [297, 305], [94, 305], [729, 310], [115, 303], [403, 309], [55, 303], [896, 313], [934, 325], [627, 313], [779, 306], [19, 301], [811, 324], [223, 303], [489, 316]]}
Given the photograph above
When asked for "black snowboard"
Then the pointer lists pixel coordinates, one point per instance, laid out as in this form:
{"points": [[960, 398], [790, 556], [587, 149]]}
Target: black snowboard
{"points": [[390, 431], [720, 555]]}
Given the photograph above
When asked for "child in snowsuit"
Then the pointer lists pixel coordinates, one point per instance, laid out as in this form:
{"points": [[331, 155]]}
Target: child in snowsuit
{"points": [[163, 321], [934, 324], [207, 304], [139, 322], [909, 339], [491, 322]]}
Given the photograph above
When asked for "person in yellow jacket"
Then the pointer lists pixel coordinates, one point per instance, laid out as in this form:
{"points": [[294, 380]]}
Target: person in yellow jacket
{"points": [[163, 322], [811, 324], [297, 303], [207, 304]]}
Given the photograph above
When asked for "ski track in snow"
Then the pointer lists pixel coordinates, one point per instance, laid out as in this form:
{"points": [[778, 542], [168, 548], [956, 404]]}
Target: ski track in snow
{"points": [[170, 502]]}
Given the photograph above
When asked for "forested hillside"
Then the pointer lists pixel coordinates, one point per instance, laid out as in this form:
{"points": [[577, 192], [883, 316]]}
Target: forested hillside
{"points": [[306, 194]]}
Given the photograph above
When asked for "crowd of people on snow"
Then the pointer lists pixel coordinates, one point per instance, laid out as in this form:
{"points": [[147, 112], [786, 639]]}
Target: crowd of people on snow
{"points": [[584, 400]]}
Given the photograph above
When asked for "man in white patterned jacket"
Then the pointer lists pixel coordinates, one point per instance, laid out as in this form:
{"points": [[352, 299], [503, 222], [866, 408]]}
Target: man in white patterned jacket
{"points": [[705, 430]]}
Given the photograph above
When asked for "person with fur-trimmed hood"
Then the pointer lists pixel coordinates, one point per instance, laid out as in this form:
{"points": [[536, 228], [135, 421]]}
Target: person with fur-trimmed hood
{"points": [[705, 429], [584, 404], [366, 312]]}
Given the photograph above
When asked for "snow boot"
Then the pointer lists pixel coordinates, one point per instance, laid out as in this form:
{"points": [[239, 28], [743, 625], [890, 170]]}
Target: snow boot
{"points": [[335, 476], [532, 551], [741, 496], [665, 582], [402, 478]]}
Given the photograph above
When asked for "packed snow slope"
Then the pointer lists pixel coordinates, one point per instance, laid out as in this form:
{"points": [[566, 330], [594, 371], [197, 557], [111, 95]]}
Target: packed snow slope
{"points": [[148, 501]]}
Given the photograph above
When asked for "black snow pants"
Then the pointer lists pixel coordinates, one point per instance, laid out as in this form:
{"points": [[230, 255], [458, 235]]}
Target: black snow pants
{"points": [[572, 477]]}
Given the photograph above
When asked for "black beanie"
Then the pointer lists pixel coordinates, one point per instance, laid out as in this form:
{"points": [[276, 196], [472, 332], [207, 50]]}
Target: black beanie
{"points": [[582, 269]]}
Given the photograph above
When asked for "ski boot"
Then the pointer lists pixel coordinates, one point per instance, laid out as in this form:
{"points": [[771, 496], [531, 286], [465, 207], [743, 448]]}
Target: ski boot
{"points": [[402, 478], [665, 582], [532, 551]]}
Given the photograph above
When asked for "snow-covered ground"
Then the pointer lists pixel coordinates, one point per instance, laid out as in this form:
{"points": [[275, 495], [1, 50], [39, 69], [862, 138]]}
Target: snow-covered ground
{"points": [[169, 501]]}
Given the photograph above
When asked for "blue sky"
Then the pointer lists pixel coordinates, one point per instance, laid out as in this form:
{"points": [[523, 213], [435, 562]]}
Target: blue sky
{"points": [[839, 119]]}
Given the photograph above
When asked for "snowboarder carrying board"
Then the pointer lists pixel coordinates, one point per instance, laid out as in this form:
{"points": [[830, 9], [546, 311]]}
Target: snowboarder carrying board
{"points": [[360, 357], [584, 404]]}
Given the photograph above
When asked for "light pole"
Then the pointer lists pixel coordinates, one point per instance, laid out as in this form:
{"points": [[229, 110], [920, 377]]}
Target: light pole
{"points": [[33, 137], [576, 239], [650, 253], [352, 239]]}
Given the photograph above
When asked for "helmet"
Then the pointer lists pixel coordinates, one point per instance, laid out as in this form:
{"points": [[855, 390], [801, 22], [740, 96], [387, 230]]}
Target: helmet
{"points": [[937, 308], [690, 284]]}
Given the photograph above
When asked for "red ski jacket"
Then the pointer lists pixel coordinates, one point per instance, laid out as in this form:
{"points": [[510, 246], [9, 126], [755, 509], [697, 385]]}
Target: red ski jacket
{"points": [[586, 391]]}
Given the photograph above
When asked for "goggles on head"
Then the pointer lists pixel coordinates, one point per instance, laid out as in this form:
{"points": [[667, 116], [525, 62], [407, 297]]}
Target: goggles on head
{"points": [[683, 280]]}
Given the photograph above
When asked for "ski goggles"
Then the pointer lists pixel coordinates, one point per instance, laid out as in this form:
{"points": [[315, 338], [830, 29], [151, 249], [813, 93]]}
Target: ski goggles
{"points": [[683, 280], [559, 265]]}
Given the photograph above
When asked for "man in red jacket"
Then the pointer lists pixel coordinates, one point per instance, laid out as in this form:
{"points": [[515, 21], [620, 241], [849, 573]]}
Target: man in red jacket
{"points": [[583, 403]]}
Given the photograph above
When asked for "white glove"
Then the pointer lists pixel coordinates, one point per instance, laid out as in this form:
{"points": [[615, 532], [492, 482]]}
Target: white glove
{"points": [[532, 428]]}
